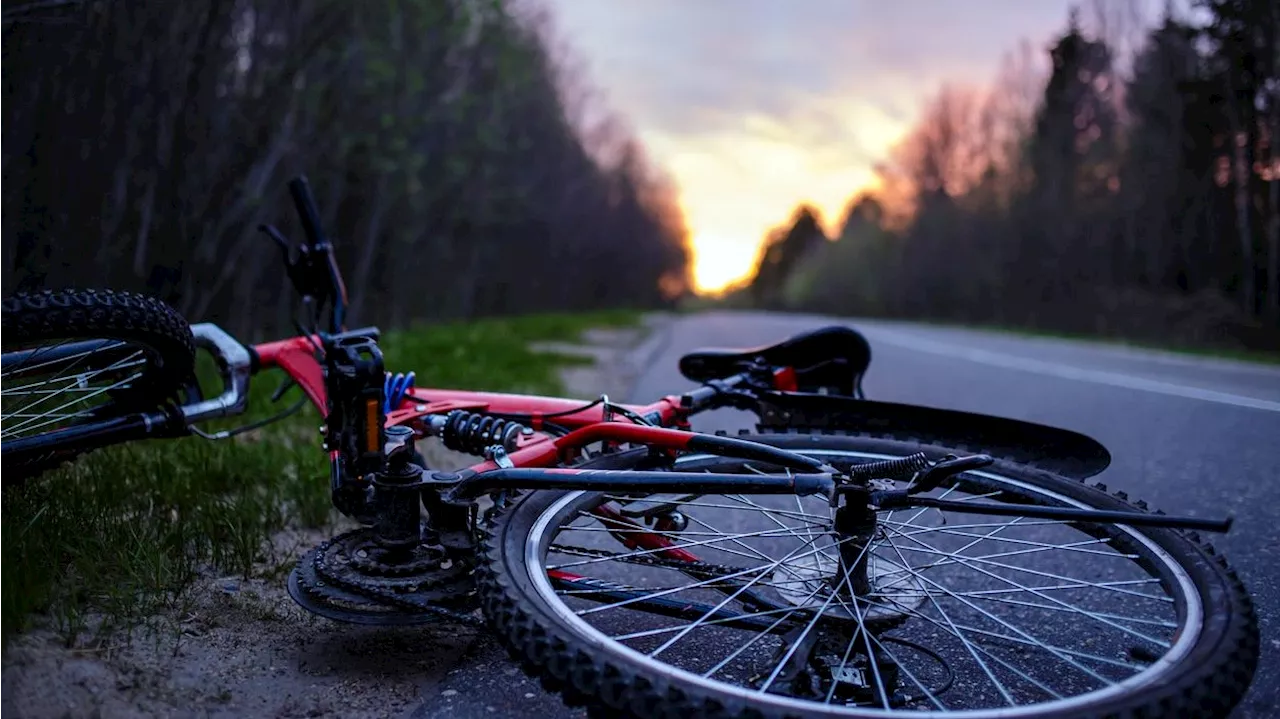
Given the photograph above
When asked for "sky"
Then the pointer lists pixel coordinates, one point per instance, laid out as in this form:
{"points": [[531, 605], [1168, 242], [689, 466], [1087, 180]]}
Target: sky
{"points": [[754, 106]]}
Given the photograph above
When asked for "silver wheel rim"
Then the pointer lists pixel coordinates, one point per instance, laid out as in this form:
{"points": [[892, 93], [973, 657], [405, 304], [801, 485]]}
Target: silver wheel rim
{"points": [[1186, 636], [68, 395]]}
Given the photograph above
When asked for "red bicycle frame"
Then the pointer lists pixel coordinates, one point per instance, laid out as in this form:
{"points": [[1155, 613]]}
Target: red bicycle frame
{"points": [[296, 356], [587, 425]]}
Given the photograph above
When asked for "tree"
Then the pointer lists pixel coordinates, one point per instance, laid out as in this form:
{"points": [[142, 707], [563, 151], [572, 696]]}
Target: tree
{"points": [[1169, 166], [1242, 54], [442, 138], [1072, 157], [944, 155], [782, 249]]}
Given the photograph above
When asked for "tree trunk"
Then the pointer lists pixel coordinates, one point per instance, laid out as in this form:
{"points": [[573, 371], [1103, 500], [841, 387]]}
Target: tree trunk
{"points": [[1272, 309], [1241, 169]]}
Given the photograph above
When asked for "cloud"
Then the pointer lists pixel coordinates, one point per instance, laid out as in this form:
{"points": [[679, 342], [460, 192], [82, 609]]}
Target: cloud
{"points": [[755, 105], [694, 66]]}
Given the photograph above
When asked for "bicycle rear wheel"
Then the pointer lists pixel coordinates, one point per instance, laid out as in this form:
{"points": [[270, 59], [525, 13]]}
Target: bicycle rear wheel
{"points": [[76, 357], [738, 611]]}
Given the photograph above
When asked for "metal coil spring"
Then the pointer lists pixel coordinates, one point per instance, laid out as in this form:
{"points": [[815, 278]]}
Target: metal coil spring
{"points": [[394, 389], [890, 468], [474, 433]]}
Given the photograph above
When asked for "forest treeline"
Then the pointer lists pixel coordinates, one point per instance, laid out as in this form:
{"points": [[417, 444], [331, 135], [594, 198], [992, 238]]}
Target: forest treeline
{"points": [[1130, 188], [461, 166]]}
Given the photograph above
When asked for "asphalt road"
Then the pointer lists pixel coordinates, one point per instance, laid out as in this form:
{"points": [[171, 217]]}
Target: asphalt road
{"points": [[1191, 436]]}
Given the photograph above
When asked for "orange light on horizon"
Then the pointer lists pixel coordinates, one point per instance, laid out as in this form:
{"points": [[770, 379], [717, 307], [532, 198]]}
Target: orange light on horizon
{"points": [[735, 186], [718, 262]]}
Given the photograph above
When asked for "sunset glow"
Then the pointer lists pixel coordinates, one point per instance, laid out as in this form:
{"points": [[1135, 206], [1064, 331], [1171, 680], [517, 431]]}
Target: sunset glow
{"points": [[735, 186], [755, 106]]}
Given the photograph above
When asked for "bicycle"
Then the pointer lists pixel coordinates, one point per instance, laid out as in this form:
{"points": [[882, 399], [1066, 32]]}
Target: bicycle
{"points": [[607, 545]]}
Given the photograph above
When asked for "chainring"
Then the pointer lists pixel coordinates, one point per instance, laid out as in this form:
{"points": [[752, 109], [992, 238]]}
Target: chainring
{"points": [[351, 578]]}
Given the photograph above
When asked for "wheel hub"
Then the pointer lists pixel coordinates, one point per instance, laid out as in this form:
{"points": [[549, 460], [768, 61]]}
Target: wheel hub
{"points": [[895, 590]]}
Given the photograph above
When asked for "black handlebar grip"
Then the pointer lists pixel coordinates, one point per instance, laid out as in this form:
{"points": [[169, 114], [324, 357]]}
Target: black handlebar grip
{"points": [[307, 212]]}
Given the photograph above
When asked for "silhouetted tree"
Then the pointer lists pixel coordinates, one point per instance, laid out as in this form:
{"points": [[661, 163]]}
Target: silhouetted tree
{"points": [[1071, 154], [782, 249], [437, 134], [1132, 191]]}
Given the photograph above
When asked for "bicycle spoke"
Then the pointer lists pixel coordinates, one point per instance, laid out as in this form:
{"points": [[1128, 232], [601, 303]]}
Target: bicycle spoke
{"points": [[786, 611], [987, 605], [27, 368], [767, 512], [1109, 586], [1066, 659], [1039, 573], [808, 628], [998, 528], [667, 644], [779, 512], [1052, 608], [739, 542], [1011, 540], [80, 379], [847, 582], [955, 557], [687, 587], [667, 535], [962, 561], [686, 545], [954, 630], [108, 388]]}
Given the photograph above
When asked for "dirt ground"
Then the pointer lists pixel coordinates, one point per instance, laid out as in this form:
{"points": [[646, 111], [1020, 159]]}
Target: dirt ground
{"points": [[243, 648]]}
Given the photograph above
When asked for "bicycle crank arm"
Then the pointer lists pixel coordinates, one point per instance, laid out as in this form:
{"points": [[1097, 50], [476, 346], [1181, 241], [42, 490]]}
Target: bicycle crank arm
{"points": [[901, 500], [468, 487]]}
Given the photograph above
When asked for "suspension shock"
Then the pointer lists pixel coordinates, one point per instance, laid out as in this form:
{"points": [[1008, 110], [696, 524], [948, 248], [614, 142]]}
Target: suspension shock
{"points": [[473, 433]]}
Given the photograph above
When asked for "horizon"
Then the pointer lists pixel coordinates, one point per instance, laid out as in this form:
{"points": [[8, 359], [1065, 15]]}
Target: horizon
{"points": [[755, 111]]}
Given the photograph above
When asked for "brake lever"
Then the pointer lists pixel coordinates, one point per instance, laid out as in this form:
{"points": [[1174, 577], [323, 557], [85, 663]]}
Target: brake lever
{"points": [[273, 233], [930, 478], [299, 265]]}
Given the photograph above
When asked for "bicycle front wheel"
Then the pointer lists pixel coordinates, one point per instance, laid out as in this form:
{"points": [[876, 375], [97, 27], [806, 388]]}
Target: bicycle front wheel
{"points": [[732, 605], [75, 357]]}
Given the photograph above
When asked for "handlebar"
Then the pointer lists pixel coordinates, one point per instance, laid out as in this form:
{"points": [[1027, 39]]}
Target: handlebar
{"points": [[305, 202], [714, 393], [314, 272], [235, 365]]}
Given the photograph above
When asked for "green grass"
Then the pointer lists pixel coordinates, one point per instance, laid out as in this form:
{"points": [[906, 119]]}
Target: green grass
{"points": [[119, 535]]}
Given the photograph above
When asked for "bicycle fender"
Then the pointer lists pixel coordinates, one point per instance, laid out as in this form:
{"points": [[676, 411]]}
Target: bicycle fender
{"points": [[1063, 451]]}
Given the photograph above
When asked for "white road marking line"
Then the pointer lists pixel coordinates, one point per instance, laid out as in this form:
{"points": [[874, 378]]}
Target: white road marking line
{"points": [[1053, 369]]}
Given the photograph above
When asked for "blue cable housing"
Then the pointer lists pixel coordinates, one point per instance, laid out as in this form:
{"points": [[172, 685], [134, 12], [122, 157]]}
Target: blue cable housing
{"points": [[394, 389]]}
